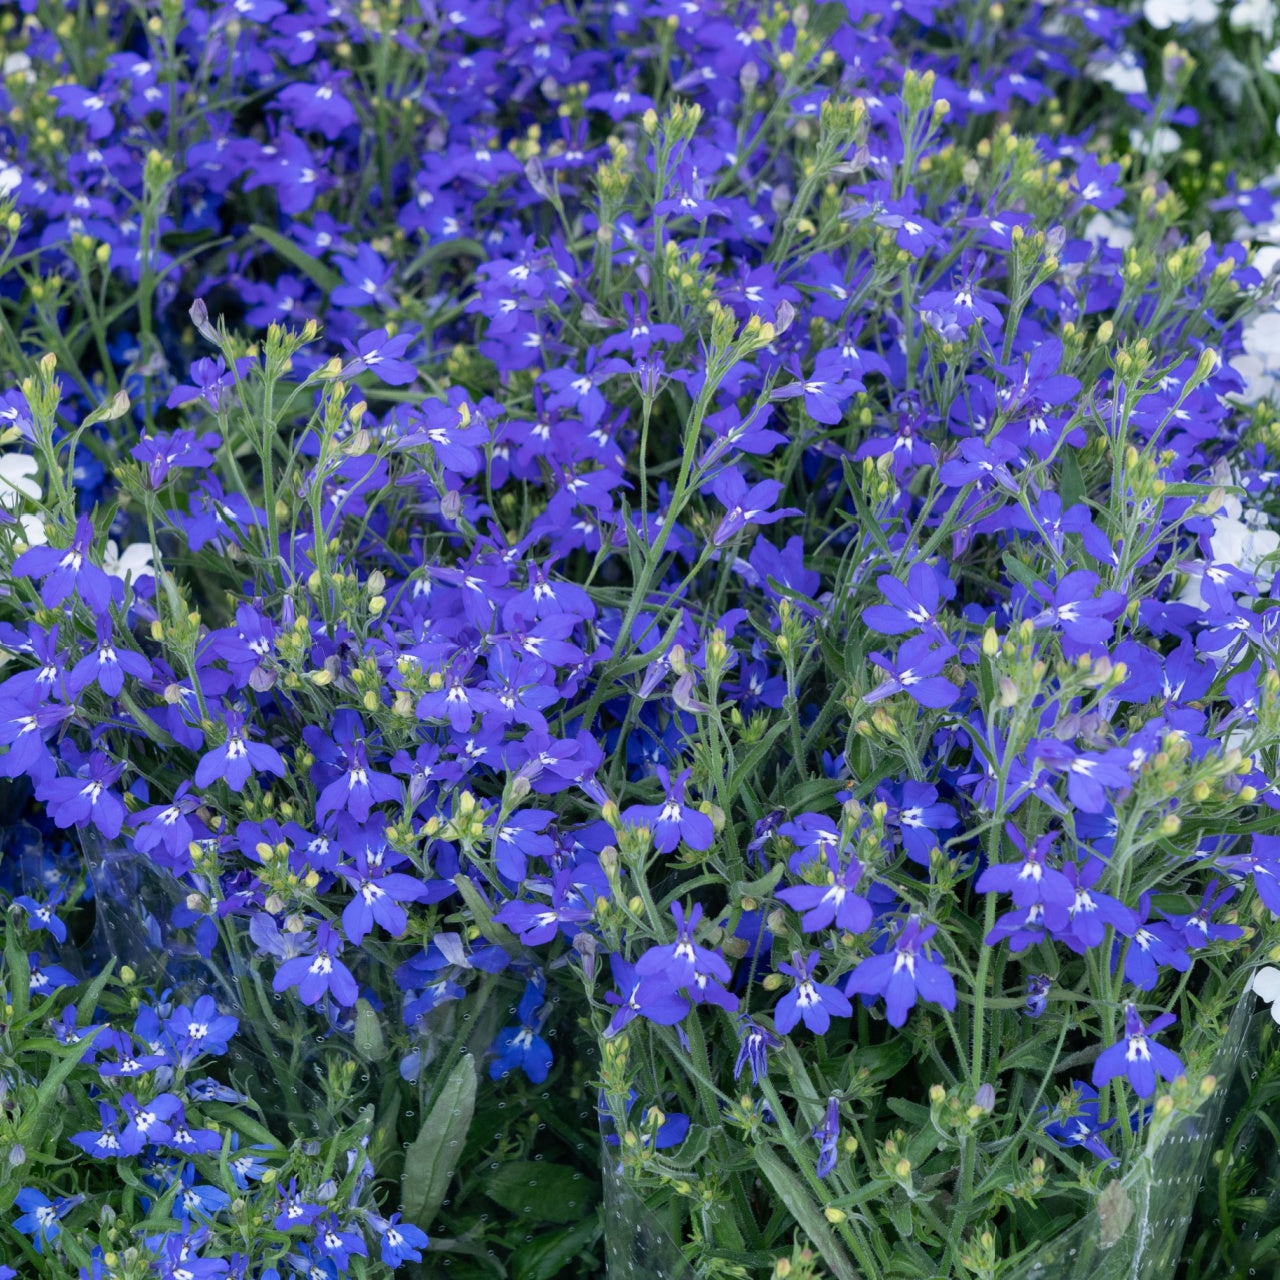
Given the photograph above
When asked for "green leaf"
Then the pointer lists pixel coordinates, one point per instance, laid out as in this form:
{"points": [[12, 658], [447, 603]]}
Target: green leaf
{"points": [[754, 755], [15, 960], [430, 1161], [35, 1120], [370, 1042], [324, 277], [1021, 573], [547, 1256], [1071, 485], [912, 1112], [480, 914], [541, 1191], [760, 888], [235, 1119], [810, 1218]]}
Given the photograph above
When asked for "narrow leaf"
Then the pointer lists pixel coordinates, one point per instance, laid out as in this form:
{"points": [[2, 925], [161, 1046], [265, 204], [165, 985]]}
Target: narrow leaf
{"points": [[809, 1217], [430, 1161], [323, 277]]}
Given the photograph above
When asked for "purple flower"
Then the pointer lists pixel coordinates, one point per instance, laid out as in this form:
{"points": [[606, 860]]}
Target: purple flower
{"points": [[317, 102], [913, 607], [653, 999], [536, 924], [835, 902], [825, 391], [1198, 928], [915, 671], [200, 1029], [1137, 1056], [381, 355], [358, 788], [41, 1216], [106, 664], [86, 797], [319, 974], [521, 1046], [102, 1143], [337, 1241], [67, 571], [808, 1001], [520, 838], [25, 724], [148, 1122], [379, 891], [828, 1137], [400, 1241], [238, 758], [1078, 1123], [921, 819], [1091, 911], [1031, 880], [296, 1210], [1090, 775], [42, 915], [90, 105], [1151, 948], [1262, 862], [1072, 608], [673, 820], [366, 277], [744, 506], [678, 962], [168, 827], [753, 1051], [1038, 988], [904, 974], [660, 1129]]}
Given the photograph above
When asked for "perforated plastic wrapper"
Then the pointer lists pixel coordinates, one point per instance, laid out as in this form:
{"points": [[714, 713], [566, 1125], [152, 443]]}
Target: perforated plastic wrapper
{"points": [[1138, 1227], [461, 1153], [637, 1247]]}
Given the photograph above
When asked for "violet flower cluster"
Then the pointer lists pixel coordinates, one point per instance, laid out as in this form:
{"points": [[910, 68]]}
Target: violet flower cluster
{"points": [[690, 519]]}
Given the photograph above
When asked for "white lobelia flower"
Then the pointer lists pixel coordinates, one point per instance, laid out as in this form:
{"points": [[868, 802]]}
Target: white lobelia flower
{"points": [[1272, 62], [1108, 229], [1267, 259], [1259, 364], [1164, 142], [33, 531], [1255, 15], [1240, 537], [133, 562], [1124, 74], [16, 470], [1265, 984], [1178, 13]]}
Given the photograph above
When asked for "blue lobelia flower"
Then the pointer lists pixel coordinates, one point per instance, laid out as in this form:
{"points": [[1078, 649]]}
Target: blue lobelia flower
{"points": [[904, 974], [917, 672], [67, 571], [1077, 1123], [1137, 1056], [399, 1241], [673, 820], [521, 1046], [238, 758], [808, 1001], [320, 974], [41, 1217], [828, 1136], [677, 963]]}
